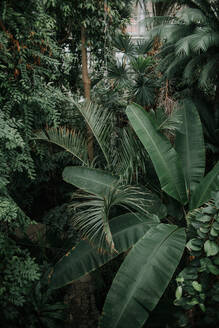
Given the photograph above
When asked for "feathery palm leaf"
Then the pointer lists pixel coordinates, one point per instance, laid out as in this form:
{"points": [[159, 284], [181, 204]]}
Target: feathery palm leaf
{"points": [[165, 122], [208, 71], [92, 211], [70, 140], [192, 15], [130, 158], [101, 124]]}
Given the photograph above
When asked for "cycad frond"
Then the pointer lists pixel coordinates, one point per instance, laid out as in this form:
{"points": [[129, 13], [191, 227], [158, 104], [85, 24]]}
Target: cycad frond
{"points": [[101, 124], [69, 140]]}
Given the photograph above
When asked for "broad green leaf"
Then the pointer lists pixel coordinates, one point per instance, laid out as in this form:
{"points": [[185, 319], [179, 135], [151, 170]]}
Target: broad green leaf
{"points": [[163, 155], [143, 277], [189, 144], [202, 192], [94, 181], [126, 229], [178, 293], [211, 248], [197, 286]]}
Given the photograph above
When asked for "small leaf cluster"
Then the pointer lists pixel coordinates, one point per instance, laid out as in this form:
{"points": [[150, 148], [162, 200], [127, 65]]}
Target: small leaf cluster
{"points": [[197, 285]]}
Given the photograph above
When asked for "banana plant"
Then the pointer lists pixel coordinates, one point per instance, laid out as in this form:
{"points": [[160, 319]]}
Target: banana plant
{"points": [[180, 169], [156, 248]]}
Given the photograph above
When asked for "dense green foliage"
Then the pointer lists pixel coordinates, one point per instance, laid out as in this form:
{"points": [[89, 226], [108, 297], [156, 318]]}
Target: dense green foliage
{"points": [[154, 178]]}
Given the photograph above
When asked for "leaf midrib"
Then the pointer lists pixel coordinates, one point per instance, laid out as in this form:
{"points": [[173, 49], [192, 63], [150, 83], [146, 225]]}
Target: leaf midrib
{"points": [[152, 255], [162, 159]]}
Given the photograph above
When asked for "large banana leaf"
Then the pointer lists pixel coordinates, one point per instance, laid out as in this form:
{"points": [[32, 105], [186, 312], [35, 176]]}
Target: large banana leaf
{"points": [[143, 277], [203, 191], [190, 146], [94, 181], [126, 229], [163, 155]]}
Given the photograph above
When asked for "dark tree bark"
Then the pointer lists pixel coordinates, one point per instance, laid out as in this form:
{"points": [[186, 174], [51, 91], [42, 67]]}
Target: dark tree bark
{"points": [[87, 86]]}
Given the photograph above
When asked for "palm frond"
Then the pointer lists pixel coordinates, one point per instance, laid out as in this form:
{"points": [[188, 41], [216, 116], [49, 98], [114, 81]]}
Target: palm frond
{"points": [[203, 39], [176, 66], [192, 15], [91, 219], [143, 90], [141, 64], [191, 67], [118, 73], [171, 122], [144, 46], [166, 61], [209, 71], [173, 32], [101, 124], [184, 45], [92, 212], [124, 44], [70, 140], [130, 158]]}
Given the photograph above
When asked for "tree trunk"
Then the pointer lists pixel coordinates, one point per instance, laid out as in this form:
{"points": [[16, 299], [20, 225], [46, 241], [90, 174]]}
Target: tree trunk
{"points": [[87, 85], [80, 299]]}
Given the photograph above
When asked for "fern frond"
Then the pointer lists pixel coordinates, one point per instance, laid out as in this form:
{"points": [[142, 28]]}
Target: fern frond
{"points": [[70, 140]]}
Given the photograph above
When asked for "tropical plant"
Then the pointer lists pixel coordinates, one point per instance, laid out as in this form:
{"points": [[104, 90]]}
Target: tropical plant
{"points": [[133, 74], [186, 184], [197, 290], [190, 46]]}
